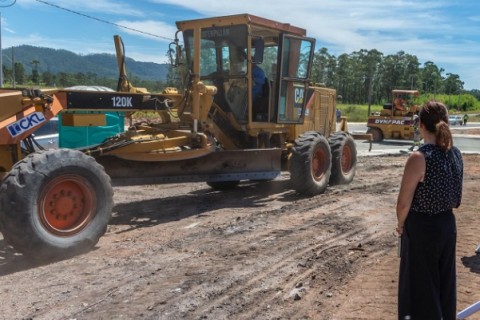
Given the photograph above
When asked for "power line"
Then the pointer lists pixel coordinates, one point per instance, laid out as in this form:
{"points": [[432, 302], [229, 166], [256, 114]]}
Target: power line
{"points": [[7, 5], [102, 20]]}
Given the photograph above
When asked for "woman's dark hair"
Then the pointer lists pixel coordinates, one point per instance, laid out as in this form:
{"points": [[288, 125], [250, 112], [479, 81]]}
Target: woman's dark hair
{"points": [[434, 117]]}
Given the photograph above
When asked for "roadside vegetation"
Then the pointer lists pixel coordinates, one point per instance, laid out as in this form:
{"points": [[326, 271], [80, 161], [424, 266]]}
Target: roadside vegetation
{"points": [[455, 103]]}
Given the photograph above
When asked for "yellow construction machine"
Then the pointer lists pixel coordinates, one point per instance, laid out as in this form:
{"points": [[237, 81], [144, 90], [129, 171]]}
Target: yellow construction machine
{"points": [[213, 129], [395, 121]]}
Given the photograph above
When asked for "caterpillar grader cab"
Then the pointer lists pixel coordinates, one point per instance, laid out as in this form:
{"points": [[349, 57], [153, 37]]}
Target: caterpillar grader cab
{"points": [[212, 128], [396, 120]]}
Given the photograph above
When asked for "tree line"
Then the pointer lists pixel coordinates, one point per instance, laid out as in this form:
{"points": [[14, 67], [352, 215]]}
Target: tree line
{"points": [[369, 76], [63, 79]]}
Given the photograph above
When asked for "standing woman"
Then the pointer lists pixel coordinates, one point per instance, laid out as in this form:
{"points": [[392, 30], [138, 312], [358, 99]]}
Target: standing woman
{"points": [[431, 186]]}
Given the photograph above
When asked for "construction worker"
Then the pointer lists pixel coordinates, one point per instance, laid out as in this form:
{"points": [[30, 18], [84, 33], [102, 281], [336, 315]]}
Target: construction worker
{"points": [[416, 132], [399, 104], [258, 76], [465, 119]]}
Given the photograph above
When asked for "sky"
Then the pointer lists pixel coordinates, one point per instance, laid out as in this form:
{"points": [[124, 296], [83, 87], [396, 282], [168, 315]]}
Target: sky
{"points": [[445, 32]]}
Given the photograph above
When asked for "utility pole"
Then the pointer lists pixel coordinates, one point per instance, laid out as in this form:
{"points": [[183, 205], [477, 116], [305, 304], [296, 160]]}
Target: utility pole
{"points": [[369, 93], [13, 68], [1, 55]]}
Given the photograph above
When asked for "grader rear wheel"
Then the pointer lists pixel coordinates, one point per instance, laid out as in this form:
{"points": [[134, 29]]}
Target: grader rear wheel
{"points": [[55, 203], [344, 158], [310, 164]]}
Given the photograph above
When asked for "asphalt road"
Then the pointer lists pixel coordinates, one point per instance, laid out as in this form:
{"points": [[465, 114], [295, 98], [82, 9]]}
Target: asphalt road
{"points": [[466, 143]]}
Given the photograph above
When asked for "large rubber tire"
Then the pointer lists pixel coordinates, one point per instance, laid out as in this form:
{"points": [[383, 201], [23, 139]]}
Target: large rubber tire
{"points": [[310, 164], [55, 203], [377, 134], [344, 158]]}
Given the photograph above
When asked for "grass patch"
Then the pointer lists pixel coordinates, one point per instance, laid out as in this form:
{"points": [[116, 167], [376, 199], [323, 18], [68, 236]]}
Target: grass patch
{"points": [[359, 112]]}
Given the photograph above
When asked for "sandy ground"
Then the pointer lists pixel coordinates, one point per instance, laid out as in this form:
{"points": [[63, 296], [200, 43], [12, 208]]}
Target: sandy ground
{"points": [[256, 252]]}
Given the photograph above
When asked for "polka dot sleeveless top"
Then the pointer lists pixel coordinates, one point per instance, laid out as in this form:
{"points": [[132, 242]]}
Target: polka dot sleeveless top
{"points": [[441, 189]]}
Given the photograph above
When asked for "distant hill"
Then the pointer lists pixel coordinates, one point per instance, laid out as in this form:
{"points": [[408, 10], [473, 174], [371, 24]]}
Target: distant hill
{"points": [[104, 65]]}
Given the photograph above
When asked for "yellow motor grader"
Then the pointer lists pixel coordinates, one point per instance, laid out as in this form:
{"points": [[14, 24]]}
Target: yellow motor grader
{"points": [[58, 202]]}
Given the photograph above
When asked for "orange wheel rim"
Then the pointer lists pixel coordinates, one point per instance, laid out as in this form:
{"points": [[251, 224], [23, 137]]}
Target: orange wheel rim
{"points": [[318, 164], [66, 205], [347, 157]]}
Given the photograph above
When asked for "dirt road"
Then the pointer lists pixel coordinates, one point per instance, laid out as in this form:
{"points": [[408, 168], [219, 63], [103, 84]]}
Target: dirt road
{"points": [[256, 252]]}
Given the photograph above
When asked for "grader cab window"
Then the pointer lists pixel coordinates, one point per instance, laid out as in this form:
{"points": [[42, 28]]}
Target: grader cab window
{"points": [[223, 63], [285, 59], [296, 59], [221, 50]]}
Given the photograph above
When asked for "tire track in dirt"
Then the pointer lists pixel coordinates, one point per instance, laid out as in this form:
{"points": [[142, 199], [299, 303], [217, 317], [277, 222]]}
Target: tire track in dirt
{"points": [[335, 221], [292, 272], [246, 296], [187, 252], [246, 230]]}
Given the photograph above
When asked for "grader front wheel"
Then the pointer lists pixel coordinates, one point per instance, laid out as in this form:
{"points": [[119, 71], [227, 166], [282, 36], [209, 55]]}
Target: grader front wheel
{"points": [[55, 203], [66, 205]]}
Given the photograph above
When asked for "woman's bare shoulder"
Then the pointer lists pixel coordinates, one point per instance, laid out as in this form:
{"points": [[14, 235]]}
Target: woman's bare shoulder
{"points": [[415, 164]]}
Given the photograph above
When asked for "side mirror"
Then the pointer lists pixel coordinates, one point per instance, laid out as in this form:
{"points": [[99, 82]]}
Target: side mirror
{"points": [[258, 45]]}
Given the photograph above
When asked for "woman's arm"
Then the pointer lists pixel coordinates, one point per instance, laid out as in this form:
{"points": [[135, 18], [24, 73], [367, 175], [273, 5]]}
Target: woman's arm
{"points": [[413, 173]]}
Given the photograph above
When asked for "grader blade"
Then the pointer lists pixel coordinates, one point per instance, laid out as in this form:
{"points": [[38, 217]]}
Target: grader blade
{"points": [[231, 165], [356, 136], [363, 136]]}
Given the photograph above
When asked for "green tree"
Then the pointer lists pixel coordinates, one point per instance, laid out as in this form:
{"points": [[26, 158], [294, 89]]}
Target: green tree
{"points": [[20, 77], [81, 78], [452, 84], [48, 78], [35, 74], [370, 62], [7, 74], [345, 79], [64, 80], [323, 68], [92, 78], [431, 78], [475, 93]]}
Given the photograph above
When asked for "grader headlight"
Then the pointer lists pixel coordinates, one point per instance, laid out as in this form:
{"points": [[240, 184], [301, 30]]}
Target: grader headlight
{"points": [[206, 89]]}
